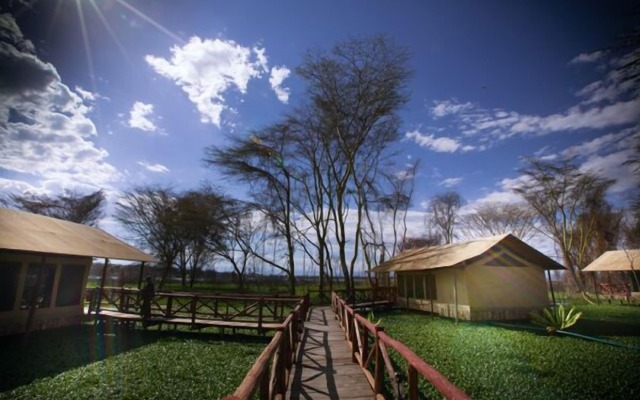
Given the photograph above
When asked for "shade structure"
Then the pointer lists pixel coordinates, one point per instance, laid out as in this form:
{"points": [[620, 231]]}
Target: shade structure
{"points": [[615, 260], [27, 232], [466, 253]]}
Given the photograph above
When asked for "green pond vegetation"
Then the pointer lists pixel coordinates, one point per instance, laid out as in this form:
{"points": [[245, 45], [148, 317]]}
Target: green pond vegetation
{"points": [[82, 363], [497, 362]]}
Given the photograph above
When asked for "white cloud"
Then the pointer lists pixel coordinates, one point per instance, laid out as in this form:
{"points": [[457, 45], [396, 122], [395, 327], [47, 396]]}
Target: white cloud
{"points": [[437, 144], [207, 69], [45, 130], [278, 75], [159, 168], [451, 182], [139, 117], [587, 58], [449, 107], [85, 94]]}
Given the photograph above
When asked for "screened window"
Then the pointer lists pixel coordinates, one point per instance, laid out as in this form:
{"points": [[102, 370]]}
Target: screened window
{"points": [[9, 275], [42, 292], [70, 286], [419, 285], [401, 291], [430, 283]]}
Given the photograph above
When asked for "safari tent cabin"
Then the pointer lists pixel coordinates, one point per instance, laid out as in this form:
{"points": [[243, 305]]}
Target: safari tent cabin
{"points": [[44, 266], [493, 278], [618, 260]]}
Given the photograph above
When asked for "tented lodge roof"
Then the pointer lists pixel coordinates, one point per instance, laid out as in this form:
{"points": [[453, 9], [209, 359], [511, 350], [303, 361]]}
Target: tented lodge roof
{"points": [[502, 248], [616, 260], [23, 231]]}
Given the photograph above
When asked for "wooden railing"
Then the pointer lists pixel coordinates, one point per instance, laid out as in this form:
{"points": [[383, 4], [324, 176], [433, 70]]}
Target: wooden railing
{"points": [[269, 376], [195, 305], [370, 349]]}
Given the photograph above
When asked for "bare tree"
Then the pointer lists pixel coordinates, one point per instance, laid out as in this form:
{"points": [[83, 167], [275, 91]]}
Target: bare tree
{"points": [[355, 92], [69, 206], [444, 209], [430, 240], [260, 161], [500, 218], [150, 214], [201, 223], [560, 193]]}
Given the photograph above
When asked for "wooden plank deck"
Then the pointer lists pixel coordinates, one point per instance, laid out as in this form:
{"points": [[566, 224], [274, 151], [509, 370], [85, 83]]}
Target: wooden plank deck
{"points": [[187, 321], [323, 368]]}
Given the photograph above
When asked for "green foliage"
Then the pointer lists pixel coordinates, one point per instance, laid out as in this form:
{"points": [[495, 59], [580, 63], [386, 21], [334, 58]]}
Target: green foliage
{"points": [[124, 364], [489, 362], [555, 318]]}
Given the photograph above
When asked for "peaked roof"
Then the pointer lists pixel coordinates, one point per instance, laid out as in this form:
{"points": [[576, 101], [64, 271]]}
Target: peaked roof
{"points": [[23, 231], [616, 260], [461, 254]]}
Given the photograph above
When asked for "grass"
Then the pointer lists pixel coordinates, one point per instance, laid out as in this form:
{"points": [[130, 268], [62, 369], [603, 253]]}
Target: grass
{"points": [[490, 362], [80, 363]]}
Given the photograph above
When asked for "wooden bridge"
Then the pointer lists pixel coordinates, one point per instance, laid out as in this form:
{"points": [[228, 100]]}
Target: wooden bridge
{"points": [[315, 353], [310, 359]]}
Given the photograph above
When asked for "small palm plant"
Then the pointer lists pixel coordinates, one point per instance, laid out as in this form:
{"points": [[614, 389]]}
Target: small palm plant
{"points": [[555, 318]]}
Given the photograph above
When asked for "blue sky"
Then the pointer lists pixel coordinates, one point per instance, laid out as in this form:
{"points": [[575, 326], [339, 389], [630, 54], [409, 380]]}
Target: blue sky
{"points": [[112, 93]]}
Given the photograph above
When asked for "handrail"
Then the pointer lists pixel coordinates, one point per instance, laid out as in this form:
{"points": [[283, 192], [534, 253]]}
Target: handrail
{"points": [[358, 329], [272, 383], [241, 308]]}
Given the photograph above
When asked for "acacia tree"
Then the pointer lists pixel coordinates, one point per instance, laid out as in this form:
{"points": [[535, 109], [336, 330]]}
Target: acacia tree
{"points": [[444, 209], [243, 237], [69, 206], [560, 194], [259, 160], [500, 218], [150, 214], [354, 92], [322, 162], [200, 227]]}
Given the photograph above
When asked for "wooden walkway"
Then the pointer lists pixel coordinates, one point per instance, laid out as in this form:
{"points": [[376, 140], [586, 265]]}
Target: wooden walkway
{"points": [[323, 368]]}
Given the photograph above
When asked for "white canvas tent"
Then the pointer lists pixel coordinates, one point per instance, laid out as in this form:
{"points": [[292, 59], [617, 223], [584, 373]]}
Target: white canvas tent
{"points": [[44, 267], [617, 261], [498, 277]]}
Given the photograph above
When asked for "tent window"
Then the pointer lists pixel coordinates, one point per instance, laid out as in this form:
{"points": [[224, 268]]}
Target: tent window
{"points": [[419, 285], [9, 275], [70, 286], [401, 291], [44, 291], [432, 292]]}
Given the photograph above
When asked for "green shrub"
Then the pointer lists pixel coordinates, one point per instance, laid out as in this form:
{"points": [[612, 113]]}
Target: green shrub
{"points": [[555, 318]]}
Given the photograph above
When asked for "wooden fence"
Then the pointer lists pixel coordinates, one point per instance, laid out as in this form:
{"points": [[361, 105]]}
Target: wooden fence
{"points": [[269, 376], [195, 308], [370, 347]]}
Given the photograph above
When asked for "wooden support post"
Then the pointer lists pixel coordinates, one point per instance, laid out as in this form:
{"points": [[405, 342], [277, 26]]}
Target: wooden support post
{"points": [[455, 292], [102, 282], [412, 376], [553, 296], [379, 370], [140, 275], [260, 304], [365, 347], [33, 301]]}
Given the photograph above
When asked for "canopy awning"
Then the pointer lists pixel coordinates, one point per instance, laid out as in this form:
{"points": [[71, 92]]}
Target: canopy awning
{"points": [[23, 231], [615, 260]]}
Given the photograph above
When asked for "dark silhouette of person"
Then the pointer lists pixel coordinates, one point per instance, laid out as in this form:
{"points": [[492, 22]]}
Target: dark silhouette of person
{"points": [[147, 293]]}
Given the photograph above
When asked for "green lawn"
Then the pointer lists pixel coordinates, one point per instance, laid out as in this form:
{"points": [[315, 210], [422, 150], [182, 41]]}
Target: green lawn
{"points": [[79, 363], [490, 362]]}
